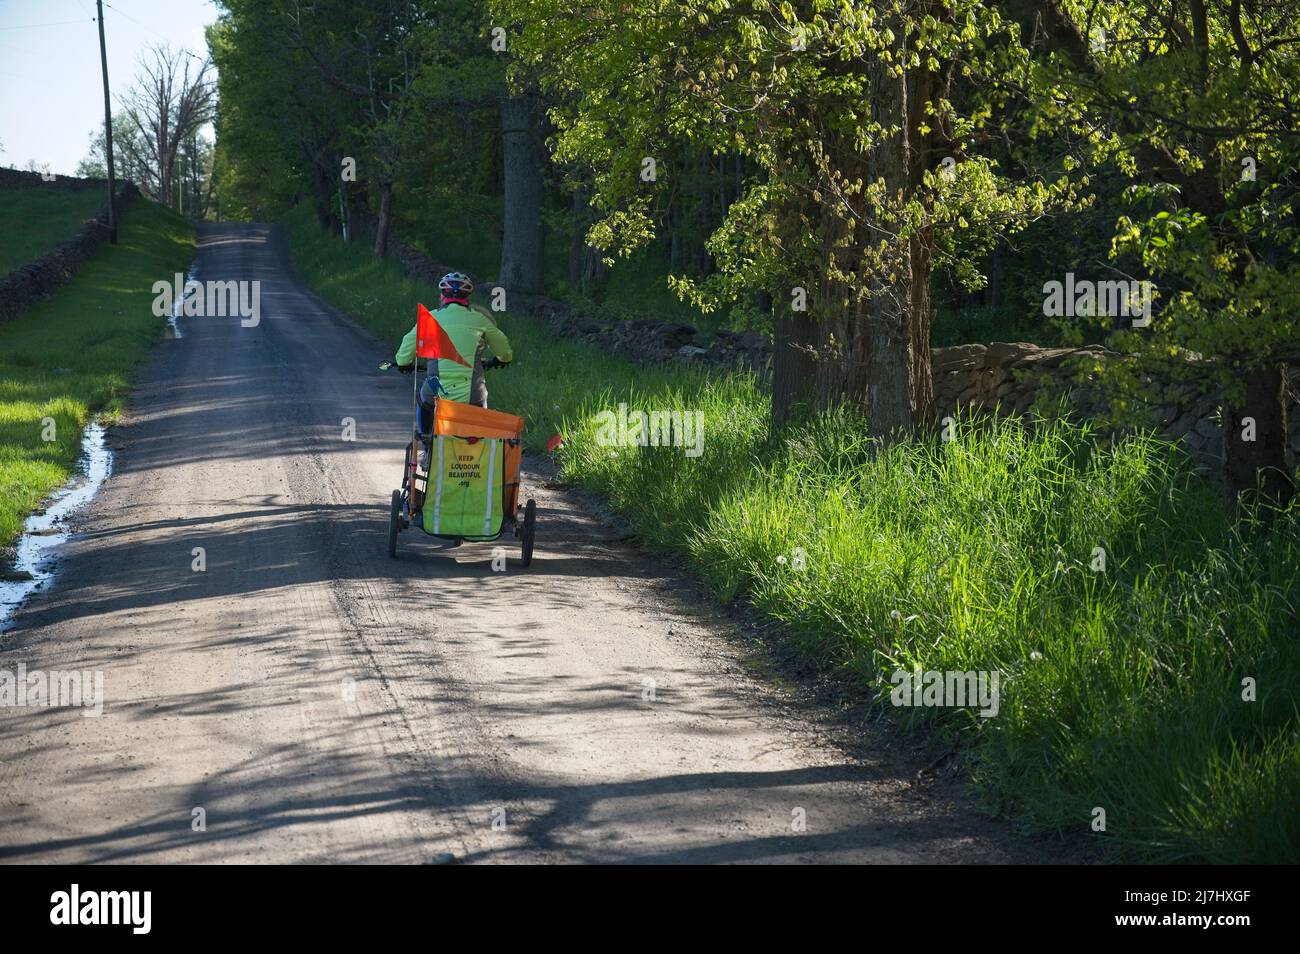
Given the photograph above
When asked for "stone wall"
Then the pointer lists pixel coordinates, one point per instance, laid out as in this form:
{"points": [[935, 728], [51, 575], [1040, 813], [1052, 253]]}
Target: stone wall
{"points": [[18, 179], [1013, 376], [1007, 376], [30, 283]]}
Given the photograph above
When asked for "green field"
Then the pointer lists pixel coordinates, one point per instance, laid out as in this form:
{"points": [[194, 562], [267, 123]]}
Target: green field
{"points": [[1127, 689], [74, 354], [36, 220]]}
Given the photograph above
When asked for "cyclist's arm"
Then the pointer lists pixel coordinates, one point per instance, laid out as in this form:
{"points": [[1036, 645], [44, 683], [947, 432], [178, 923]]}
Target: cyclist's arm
{"points": [[496, 338], [406, 350]]}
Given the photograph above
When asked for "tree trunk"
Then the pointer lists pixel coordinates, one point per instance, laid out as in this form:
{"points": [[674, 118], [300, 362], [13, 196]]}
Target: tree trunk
{"points": [[994, 297], [578, 240], [348, 200], [586, 270], [703, 261], [821, 357], [1258, 464], [924, 150], [385, 219], [674, 234], [920, 321], [322, 195], [840, 318], [869, 326], [891, 394], [891, 372], [521, 246], [164, 155], [793, 339], [329, 193]]}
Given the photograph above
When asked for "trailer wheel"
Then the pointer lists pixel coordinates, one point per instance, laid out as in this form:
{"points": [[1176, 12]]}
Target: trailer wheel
{"points": [[530, 523], [394, 522]]}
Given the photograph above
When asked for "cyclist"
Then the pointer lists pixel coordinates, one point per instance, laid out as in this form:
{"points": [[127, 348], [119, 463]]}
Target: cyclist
{"points": [[468, 327]]}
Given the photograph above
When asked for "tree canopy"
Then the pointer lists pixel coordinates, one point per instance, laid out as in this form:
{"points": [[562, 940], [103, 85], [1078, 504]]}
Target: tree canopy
{"points": [[839, 172]]}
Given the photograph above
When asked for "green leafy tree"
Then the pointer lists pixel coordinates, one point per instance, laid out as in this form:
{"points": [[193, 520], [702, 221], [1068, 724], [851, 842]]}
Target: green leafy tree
{"points": [[847, 111], [95, 165], [280, 130], [1195, 103]]}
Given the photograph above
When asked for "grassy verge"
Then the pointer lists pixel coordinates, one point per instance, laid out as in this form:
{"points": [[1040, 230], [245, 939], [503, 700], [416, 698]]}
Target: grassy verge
{"points": [[74, 353], [43, 218], [1163, 689]]}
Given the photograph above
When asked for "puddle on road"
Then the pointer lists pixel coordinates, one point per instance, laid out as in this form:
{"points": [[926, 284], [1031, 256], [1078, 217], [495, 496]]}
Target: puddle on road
{"points": [[173, 329], [44, 532]]}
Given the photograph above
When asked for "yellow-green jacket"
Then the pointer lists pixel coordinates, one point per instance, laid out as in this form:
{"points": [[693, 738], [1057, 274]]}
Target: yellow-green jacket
{"points": [[466, 327]]}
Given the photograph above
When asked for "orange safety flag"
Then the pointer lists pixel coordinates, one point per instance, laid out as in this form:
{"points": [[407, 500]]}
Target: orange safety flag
{"points": [[431, 341]]}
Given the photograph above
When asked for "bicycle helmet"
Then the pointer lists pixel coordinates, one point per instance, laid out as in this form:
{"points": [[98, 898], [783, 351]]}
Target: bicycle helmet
{"points": [[455, 285]]}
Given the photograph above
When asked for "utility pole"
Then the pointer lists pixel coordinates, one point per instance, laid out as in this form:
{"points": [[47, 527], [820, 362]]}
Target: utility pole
{"points": [[108, 127]]}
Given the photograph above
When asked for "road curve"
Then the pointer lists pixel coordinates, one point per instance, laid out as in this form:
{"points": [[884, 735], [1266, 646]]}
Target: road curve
{"points": [[307, 699]]}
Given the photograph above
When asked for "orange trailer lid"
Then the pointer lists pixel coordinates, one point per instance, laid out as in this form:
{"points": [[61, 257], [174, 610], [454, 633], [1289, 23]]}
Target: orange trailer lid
{"points": [[455, 419]]}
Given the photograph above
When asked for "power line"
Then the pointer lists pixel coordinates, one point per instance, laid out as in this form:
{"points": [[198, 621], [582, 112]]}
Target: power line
{"points": [[33, 26], [150, 29], [135, 21]]}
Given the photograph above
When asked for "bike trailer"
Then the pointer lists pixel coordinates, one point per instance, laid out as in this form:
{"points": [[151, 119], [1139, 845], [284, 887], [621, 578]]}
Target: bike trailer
{"points": [[473, 479]]}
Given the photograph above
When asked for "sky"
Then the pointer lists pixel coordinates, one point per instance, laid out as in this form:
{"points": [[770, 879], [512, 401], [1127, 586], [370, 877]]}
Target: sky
{"points": [[51, 89]]}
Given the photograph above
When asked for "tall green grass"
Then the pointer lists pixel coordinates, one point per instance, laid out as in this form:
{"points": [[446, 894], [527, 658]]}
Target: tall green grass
{"points": [[74, 354], [1121, 689]]}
